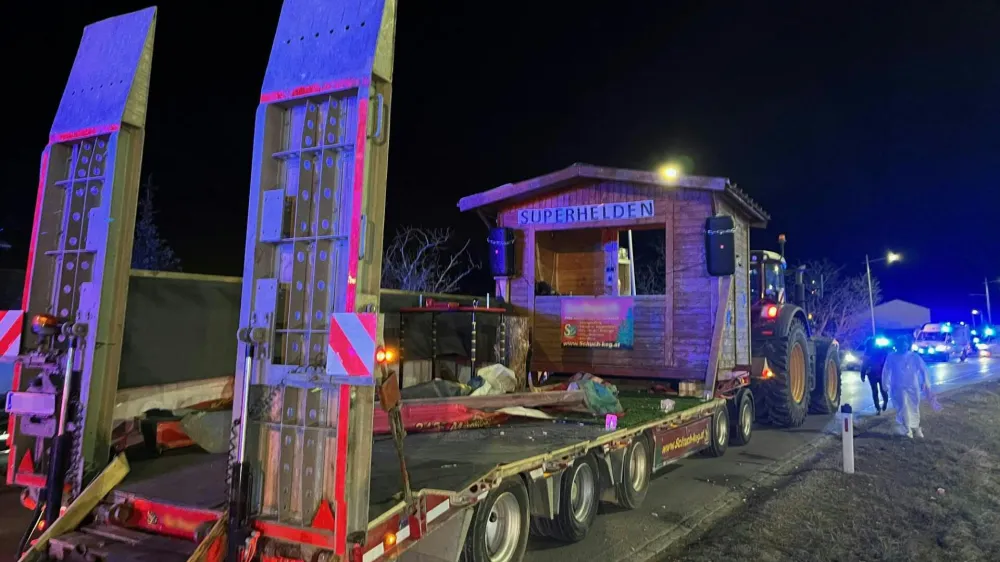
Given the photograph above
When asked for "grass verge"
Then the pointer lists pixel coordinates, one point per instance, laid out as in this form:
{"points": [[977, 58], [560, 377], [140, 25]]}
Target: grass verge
{"points": [[933, 499]]}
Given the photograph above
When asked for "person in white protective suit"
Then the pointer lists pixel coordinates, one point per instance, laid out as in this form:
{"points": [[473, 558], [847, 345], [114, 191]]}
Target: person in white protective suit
{"points": [[907, 377]]}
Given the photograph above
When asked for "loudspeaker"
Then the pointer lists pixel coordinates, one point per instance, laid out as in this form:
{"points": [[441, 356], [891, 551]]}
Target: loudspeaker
{"points": [[720, 246], [501, 252]]}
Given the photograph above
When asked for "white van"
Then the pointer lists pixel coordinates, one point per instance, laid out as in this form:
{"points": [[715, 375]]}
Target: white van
{"points": [[943, 342]]}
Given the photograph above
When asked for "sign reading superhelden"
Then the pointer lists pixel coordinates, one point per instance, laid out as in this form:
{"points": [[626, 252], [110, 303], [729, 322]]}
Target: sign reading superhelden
{"points": [[586, 213]]}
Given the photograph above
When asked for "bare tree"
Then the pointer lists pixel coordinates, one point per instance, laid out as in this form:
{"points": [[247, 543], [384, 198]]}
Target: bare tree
{"points": [[149, 250], [425, 260], [651, 274], [841, 309]]}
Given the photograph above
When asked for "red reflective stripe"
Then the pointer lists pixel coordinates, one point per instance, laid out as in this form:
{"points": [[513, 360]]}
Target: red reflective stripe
{"points": [[84, 133], [342, 346], [312, 90], [13, 333], [370, 322], [314, 537], [29, 480], [340, 478], [357, 199], [167, 519]]}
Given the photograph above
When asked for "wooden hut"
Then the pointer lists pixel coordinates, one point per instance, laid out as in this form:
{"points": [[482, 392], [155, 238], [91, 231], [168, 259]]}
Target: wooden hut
{"points": [[569, 233]]}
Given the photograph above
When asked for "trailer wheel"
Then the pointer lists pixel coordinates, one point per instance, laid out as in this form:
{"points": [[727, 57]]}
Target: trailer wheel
{"points": [[541, 527], [826, 396], [718, 433], [787, 394], [499, 528], [742, 414], [631, 490], [579, 499]]}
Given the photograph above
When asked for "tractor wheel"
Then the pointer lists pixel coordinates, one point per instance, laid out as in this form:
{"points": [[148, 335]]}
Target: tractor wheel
{"points": [[787, 394], [826, 395]]}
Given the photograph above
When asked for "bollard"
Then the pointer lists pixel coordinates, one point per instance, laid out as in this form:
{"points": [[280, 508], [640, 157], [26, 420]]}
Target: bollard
{"points": [[847, 437]]}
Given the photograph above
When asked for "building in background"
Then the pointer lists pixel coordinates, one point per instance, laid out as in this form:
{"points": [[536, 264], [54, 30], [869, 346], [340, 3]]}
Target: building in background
{"points": [[897, 315]]}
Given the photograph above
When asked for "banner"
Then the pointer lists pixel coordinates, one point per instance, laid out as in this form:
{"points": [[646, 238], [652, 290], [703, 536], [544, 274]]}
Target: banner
{"points": [[603, 322]]}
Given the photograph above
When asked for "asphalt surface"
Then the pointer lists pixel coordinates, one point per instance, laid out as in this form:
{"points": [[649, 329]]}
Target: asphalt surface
{"points": [[675, 494], [682, 490]]}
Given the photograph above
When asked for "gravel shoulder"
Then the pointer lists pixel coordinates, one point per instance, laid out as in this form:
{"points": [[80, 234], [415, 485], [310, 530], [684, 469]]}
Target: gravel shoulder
{"points": [[914, 500]]}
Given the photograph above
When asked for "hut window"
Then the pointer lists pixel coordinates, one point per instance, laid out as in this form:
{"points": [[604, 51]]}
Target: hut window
{"points": [[649, 264], [570, 262]]}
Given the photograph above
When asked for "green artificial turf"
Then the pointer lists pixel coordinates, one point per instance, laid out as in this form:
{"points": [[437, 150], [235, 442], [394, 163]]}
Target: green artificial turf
{"points": [[642, 408]]}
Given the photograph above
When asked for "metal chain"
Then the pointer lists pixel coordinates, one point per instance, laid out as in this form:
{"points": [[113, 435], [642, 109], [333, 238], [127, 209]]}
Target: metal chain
{"points": [[76, 469]]}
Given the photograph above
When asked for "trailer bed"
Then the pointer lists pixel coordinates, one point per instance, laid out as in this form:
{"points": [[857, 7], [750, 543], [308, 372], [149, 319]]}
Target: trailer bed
{"points": [[186, 477], [443, 461]]}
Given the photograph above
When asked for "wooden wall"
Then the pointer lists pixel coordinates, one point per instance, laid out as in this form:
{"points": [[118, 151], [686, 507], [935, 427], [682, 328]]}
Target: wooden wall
{"points": [[647, 357], [572, 262], [673, 331], [736, 344]]}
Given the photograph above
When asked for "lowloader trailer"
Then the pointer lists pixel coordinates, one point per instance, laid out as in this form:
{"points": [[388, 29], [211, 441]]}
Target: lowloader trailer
{"points": [[304, 478]]}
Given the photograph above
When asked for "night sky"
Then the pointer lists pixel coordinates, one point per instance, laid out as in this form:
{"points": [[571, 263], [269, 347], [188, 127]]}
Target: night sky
{"points": [[861, 128]]}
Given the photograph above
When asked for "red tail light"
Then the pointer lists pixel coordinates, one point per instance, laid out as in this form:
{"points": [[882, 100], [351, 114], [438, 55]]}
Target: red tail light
{"points": [[771, 311]]}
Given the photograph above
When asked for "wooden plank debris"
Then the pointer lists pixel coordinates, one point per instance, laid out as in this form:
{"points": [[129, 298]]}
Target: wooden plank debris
{"points": [[563, 398]]}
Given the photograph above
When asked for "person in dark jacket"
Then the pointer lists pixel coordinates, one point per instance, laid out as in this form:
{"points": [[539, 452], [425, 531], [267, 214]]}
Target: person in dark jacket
{"points": [[871, 368]]}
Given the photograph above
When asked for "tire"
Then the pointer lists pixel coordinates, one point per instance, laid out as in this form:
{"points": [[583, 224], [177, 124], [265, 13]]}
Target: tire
{"points": [[577, 512], [741, 414], [499, 528], [825, 397], [718, 433], [787, 394], [637, 467], [541, 527]]}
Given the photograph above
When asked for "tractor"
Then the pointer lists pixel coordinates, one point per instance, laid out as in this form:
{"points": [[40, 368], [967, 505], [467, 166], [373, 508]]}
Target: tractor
{"points": [[796, 372]]}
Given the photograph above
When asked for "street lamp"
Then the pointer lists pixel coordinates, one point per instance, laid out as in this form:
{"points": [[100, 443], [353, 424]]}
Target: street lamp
{"points": [[670, 172], [975, 313], [890, 258]]}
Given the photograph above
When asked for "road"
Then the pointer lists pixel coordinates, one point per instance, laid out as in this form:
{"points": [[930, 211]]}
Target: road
{"points": [[674, 494], [686, 487]]}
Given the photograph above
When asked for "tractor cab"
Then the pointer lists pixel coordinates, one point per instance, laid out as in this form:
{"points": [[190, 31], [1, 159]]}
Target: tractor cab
{"points": [[769, 297], [767, 291], [767, 278]]}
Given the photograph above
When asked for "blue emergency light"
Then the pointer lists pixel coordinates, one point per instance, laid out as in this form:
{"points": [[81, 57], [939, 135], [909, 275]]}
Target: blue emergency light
{"points": [[882, 341]]}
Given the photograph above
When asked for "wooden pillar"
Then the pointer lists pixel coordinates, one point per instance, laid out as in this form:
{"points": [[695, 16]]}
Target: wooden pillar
{"points": [[668, 288], [609, 241]]}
